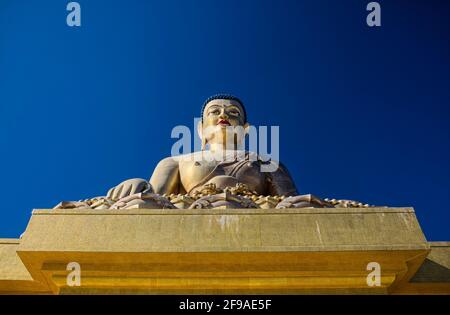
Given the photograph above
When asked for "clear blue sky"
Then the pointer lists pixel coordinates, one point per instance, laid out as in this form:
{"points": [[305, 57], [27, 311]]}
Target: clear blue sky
{"points": [[363, 112]]}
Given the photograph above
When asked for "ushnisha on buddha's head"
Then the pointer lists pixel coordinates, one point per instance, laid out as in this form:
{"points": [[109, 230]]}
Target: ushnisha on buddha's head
{"points": [[224, 122]]}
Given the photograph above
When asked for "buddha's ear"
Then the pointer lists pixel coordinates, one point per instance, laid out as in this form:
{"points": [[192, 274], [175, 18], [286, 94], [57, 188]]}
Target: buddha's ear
{"points": [[246, 128], [200, 129], [200, 134]]}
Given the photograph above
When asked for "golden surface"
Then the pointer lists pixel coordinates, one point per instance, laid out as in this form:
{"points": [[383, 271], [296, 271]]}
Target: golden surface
{"points": [[14, 277], [221, 251]]}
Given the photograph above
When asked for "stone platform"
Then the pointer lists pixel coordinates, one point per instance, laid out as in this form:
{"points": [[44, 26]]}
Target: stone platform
{"points": [[229, 251]]}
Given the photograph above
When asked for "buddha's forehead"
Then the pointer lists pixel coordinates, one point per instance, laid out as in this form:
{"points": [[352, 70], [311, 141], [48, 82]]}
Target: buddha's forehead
{"points": [[223, 103]]}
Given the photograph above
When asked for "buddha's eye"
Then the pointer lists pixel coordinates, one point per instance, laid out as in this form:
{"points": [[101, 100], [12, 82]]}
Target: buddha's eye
{"points": [[234, 113], [215, 112]]}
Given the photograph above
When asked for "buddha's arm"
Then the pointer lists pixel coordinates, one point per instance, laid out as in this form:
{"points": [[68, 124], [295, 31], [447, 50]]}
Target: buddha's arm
{"points": [[280, 182], [166, 177], [165, 180]]}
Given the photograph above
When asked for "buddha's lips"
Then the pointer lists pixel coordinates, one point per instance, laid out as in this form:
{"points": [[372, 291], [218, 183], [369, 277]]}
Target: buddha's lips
{"points": [[224, 122]]}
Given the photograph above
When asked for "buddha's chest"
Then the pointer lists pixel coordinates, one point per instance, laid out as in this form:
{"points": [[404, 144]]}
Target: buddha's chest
{"points": [[195, 173]]}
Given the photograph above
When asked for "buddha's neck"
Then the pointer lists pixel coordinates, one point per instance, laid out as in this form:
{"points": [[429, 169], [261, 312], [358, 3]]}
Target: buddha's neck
{"points": [[222, 152], [222, 147]]}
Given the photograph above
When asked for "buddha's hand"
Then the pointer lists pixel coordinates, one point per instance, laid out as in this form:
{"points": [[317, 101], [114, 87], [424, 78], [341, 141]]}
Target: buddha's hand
{"points": [[129, 187], [303, 201]]}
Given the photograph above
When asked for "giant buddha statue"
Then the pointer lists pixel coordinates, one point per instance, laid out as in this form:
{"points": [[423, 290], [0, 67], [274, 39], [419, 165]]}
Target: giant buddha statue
{"points": [[222, 175]]}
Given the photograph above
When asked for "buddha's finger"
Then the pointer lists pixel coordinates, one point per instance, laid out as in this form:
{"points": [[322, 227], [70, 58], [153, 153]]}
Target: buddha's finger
{"points": [[140, 187], [134, 189], [125, 191], [110, 193], [117, 192]]}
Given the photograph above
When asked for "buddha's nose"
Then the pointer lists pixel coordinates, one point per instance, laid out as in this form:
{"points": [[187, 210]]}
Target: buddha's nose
{"points": [[223, 115]]}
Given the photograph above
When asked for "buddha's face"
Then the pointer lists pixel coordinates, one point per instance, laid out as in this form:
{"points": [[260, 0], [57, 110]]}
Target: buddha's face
{"points": [[220, 119]]}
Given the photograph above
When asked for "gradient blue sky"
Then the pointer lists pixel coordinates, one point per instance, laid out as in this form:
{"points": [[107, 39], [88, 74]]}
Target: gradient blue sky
{"points": [[363, 112]]}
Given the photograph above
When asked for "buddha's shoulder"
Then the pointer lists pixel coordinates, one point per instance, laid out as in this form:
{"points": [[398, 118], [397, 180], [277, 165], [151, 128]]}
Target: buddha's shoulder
{"points": [[175, 161], [168, 162]]}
